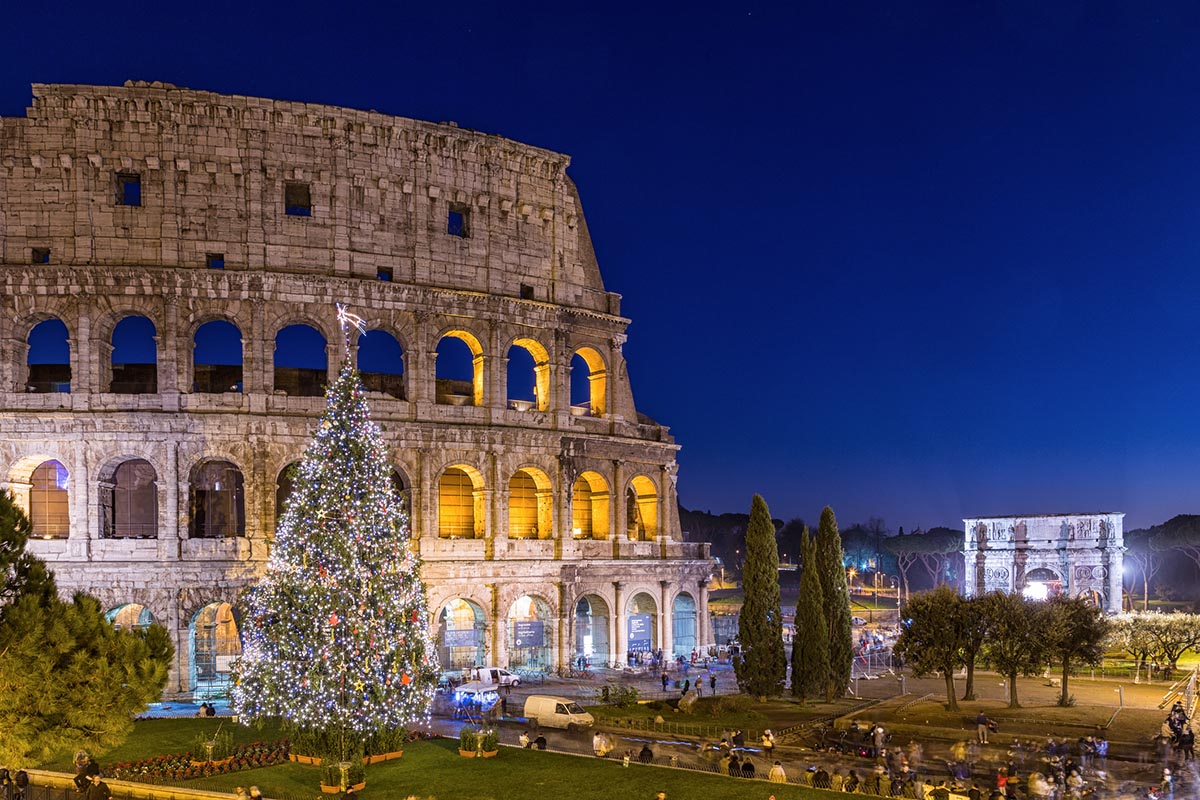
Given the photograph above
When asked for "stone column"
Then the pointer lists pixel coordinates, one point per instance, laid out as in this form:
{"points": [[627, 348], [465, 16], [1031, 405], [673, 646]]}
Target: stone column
{"points": [[333, 360], [666, 636], [620, 642], [179, 625], [172, 511], [702, 621], [499, 628]]}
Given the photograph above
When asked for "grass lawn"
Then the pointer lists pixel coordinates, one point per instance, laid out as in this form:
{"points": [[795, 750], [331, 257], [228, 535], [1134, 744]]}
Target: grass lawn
{"points": [[434, 769], [158, 737], [704, 713]]}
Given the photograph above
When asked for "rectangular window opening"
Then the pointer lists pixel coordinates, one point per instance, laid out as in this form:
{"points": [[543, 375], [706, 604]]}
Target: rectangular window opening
{"points": [[297, 200], [39, 255], [458, 221], [526, 291], [385, 274], [129, 189], [215, 260]]}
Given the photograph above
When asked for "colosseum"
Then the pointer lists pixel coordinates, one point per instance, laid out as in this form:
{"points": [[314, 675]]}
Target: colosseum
{"points": [[171, 261]]}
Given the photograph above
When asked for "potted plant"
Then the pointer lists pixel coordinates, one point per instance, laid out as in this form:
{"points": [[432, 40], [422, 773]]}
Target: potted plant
{"points": [[489, 744], [468, 742], [385, 745], [338, 776]]}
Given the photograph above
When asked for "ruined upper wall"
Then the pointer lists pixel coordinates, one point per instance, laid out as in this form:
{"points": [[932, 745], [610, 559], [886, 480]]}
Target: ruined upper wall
{"points": [[213, 170]]}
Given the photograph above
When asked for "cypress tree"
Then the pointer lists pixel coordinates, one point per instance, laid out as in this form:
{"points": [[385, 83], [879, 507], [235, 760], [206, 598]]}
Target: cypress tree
{"points": [[810, 651], [837, 605], [761, 666]]}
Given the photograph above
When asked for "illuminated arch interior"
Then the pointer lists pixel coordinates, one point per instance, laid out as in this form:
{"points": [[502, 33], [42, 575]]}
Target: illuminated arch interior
{"points": [[589, 507], [530, 505], [589, 383], [641, 507], [591, 628], [49, 508], [461, 635], [130, 616], [215, 644], [683, 623], [528, 375], [461, 512], [530, 632]]}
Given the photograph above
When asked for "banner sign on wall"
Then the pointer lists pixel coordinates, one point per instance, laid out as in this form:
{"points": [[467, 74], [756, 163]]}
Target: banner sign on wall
{"points": [[640, 639], [468, 637], [529, 634]]}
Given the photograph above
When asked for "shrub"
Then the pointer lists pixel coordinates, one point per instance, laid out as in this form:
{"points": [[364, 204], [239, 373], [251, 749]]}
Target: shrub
{"points": [[489, 741], [468, 739], [386, 740], [222, 745], [331, 772], [619, 695]]}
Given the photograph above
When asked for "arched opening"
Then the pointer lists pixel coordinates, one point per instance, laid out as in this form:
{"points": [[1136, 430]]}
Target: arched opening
{"points": [[1042, 584], [530, 505], [591, 629], [129, 617], [589, 507], [49, 509], [461, 504], [683, 623], [641, 509], [462, 635], [284, 486], [129, 501], [641, 627], [216, 501], [589, 384], [401, 488], [217, 358], [134, 357], [528, 376], [528, 639], [459, 370], [215, 643], [381, 363], [49, 358], [301, 361]]}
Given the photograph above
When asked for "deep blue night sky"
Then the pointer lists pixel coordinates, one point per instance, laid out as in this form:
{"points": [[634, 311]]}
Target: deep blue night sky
{"points": [[917, 263]]}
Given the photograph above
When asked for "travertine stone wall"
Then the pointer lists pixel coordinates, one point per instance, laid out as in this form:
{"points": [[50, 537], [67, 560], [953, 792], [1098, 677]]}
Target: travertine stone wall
{"points": [[1083, 551], [213, 170]]}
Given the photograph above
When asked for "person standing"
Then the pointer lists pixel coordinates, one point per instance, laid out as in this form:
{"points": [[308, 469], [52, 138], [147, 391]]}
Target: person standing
{"points": [[712, 683], [665, 680], [981, 727], [20, 785], [777, 774], [98, 789]]}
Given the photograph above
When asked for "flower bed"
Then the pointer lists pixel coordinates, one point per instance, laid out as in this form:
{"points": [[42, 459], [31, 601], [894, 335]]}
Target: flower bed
{"points": [[185, 766]]}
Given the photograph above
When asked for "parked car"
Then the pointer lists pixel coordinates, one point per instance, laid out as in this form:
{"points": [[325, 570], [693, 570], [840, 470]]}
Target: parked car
{"points": [[496, 675], [556, 712], [857, 621]]}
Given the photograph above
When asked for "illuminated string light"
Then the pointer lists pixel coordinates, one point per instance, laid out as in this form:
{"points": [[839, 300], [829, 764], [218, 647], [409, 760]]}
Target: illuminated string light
{"points": [[336, 633]]}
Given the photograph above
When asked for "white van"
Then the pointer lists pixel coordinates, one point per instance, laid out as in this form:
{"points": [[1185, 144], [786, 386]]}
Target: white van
{"points": [[556, 712], [496, 675]]}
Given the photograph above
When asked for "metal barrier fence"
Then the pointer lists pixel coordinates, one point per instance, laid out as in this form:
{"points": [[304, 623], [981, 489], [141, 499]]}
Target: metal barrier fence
{"points": [[698, 730]]}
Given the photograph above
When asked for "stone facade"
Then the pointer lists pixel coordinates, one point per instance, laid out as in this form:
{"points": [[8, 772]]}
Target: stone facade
{"points": [[263, 214], [1080, 553]]}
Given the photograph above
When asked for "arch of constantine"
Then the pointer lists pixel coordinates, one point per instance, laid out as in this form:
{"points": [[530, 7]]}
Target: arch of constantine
{"points": [[169, 262], [1075, 554]]}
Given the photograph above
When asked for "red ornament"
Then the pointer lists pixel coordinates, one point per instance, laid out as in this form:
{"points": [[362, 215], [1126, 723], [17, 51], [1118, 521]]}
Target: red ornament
{"points": [[406, 679], [333, 619], [415, 617]]}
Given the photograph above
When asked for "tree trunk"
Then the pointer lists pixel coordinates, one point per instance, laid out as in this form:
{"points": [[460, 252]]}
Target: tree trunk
{"points": [[1012, 691], [1145, 591], [969, 691], [951, 700], [1066, 672]]}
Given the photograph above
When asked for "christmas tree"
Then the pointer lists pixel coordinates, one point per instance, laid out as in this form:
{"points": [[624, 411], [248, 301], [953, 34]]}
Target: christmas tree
{"points": [[336, 633]]}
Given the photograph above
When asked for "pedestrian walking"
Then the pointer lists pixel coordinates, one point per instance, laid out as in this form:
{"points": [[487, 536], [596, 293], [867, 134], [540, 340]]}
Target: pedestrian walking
{"points": [[98, 789], [981, 727]]}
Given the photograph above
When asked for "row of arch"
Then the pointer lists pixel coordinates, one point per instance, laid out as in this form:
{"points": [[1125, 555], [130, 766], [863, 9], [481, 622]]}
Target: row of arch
{"points": [[462, 632], [129, 507], [301, 364]]}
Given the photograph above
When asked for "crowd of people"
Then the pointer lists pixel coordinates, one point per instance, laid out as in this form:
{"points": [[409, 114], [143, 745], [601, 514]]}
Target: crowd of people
{"points": [[14, 784]]}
